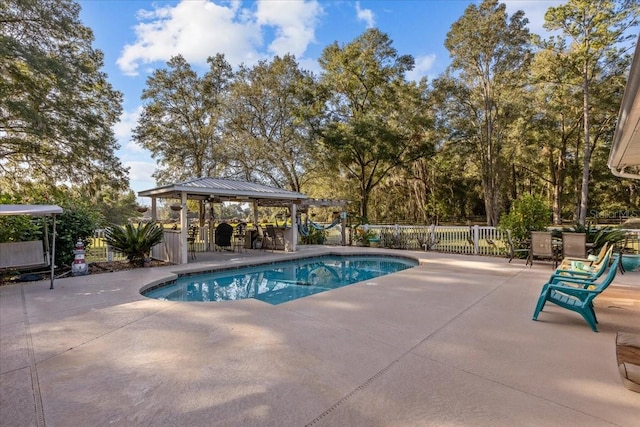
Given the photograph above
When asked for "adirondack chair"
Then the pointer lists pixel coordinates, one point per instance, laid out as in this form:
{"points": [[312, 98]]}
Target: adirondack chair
{"points": [[576, 295], [589, 272], [590, 260]]}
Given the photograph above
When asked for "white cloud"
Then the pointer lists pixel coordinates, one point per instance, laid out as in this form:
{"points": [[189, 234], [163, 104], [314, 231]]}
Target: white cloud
{"points": [[534, 11], [294, 23], [424, 64], [365, 15], [141, 171], [197, 29], [128, 121]]}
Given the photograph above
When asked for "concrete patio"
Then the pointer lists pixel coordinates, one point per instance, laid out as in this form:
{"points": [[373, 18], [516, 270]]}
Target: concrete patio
{"points": [[448, 343]]}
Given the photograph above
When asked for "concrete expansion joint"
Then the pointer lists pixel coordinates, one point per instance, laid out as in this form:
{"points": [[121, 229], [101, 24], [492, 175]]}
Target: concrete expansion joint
{"points": [[33, 367], [352, 393]]}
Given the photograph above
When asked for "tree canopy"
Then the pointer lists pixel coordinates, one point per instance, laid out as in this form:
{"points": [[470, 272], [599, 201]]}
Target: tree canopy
{"points": [[58, 109], [514, 116]]}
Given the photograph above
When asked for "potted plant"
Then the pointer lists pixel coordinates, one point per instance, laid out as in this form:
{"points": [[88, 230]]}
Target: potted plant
{"points": [[364, 234], [374, 240]]}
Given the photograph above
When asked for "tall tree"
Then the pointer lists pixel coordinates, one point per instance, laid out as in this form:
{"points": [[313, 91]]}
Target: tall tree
{"points": [[57, 108], [482, 92], [554, 125], [597, 31], [375, 119], [182, 121], [270, 140]]}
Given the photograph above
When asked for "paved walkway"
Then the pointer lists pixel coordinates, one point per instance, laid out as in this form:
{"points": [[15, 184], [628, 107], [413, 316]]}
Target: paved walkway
{"points": [[449, 343]]}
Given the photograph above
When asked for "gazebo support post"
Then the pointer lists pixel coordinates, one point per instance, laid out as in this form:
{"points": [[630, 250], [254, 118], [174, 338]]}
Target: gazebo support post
{"points": [[183, 228], [154, 209], [343, 228], [294, 229]]}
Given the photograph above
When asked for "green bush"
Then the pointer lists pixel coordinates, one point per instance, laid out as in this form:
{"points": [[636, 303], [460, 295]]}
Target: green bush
{"points": [[314, 237], [17, 228], [73, 224], [134, 241], [528, 213], [76, 222]]}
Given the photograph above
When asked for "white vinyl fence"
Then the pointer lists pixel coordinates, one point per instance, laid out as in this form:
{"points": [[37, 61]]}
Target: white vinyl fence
{"points": [[474, 240]]}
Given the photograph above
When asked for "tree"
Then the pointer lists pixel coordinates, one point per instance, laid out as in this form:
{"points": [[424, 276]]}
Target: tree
{"points": [[182, 120], [555, 123], [269, 139], [598, 30], [57, 108], [482, 92], [374, 120]]}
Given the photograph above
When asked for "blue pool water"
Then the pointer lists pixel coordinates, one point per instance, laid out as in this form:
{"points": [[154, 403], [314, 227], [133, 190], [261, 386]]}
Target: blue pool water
{"points": [[280, 282]]}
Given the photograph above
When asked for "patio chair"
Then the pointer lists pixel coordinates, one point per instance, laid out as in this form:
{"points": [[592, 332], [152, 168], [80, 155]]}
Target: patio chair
{"points": [[238, 239], [542, 247], [512, 250], [576, 295], [223, 235], [192, 234], [275, 237], [574, 245]]}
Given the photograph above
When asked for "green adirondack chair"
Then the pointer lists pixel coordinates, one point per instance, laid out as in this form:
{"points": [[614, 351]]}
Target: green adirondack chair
{"points": [[597, 269], [577, 295]]}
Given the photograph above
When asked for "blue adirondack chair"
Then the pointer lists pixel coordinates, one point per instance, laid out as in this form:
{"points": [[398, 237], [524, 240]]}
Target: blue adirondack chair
{"points": [[577, 295], [592, 275]]}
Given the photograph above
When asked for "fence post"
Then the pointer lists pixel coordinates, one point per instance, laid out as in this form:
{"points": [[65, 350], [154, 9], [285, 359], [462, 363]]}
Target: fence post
{"points": [[476, 239]]}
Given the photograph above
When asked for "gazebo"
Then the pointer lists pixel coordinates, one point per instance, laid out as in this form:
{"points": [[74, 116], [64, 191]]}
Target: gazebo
{"points": [[216, 190]]}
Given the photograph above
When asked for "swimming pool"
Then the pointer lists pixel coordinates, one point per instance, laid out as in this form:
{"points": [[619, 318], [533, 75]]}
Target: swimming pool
{"points": [[280, 282]]}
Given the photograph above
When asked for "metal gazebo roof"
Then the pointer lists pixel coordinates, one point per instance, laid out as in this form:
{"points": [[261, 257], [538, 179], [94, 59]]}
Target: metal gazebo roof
{"points": [[220, 190]]}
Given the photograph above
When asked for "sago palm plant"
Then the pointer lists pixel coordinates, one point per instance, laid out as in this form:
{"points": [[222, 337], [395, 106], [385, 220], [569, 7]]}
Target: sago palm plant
{"points": [[134, 241]]}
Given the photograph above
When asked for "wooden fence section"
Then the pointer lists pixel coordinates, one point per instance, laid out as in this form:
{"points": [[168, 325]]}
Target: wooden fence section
{"points": [[170, 249]]}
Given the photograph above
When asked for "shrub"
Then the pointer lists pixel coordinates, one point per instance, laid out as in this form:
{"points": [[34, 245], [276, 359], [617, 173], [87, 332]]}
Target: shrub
{"points": [[314, 237], [73, 224], [528, 213], [134, 241]]}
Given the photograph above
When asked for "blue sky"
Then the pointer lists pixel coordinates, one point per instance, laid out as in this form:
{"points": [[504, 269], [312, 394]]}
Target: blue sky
{"points": [[140, 36]]}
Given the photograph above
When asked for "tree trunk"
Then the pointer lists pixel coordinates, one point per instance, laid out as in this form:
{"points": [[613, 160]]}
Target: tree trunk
{"points": [[584, 195]]}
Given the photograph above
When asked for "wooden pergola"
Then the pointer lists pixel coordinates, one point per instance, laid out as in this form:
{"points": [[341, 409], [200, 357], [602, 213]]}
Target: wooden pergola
{"points": [[216, 190]]}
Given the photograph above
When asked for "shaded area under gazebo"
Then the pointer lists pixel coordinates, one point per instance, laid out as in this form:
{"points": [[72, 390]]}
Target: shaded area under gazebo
{"points": [[210, 191]]}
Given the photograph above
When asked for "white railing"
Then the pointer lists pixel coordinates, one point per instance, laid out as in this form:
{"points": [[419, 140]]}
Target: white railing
{"points": [[474, 240]]}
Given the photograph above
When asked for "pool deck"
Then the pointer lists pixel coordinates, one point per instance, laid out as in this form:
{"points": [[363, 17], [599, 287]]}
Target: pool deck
{"points": [[448, 343]]}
